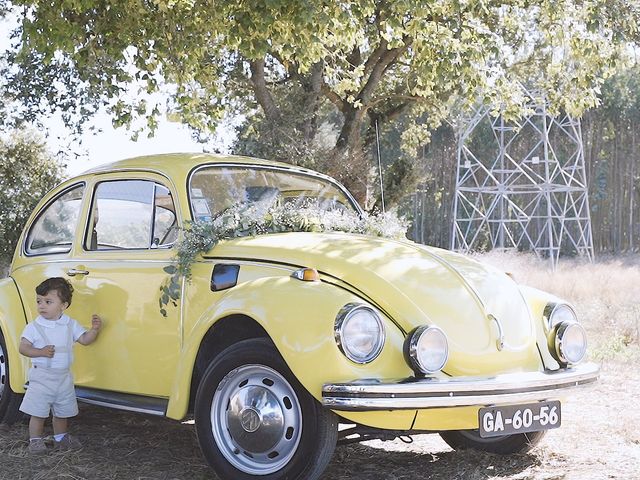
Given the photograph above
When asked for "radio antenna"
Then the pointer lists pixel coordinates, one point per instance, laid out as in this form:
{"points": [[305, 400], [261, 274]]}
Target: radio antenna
{"points": [[380, 167]]}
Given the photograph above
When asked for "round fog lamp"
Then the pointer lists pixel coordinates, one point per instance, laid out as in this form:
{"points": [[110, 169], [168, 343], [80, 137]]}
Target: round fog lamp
{"points": [[556, 313], [426, 349], [570, 343]]}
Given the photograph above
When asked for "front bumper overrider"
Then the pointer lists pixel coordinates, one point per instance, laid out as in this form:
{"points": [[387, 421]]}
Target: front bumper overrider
{"points": [[419, 393]]}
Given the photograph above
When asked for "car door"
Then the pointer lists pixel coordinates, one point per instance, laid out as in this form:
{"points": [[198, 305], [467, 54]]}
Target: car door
{"points": [[131, 227], [121, 246], [48, 246]]}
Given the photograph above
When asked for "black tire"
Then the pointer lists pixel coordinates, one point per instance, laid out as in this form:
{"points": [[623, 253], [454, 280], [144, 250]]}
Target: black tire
{"points": [[9, 400], [503, 445], [255, 420]]}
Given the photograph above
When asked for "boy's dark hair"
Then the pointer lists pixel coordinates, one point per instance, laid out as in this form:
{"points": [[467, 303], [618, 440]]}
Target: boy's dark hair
{"points": [[60, 285]]}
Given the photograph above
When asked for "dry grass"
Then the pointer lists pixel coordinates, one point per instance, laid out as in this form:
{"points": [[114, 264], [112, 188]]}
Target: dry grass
{"points": [[599, 439]]}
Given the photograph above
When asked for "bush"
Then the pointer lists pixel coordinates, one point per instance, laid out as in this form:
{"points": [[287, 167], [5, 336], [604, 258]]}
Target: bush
{"points": [[27, 172]]}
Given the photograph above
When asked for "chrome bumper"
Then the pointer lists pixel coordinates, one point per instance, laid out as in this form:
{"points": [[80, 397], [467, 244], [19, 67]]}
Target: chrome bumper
{"points": [[456, 392]]}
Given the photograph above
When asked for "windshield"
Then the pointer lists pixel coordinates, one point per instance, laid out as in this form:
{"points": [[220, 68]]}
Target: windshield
{"points": [[214, 190]]}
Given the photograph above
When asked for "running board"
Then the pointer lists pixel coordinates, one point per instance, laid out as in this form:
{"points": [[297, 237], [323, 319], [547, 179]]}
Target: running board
{"points": [[123, 401]]}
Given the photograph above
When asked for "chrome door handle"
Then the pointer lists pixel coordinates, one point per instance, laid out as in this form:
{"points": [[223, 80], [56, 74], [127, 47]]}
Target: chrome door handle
{"points": [[72, 272]]}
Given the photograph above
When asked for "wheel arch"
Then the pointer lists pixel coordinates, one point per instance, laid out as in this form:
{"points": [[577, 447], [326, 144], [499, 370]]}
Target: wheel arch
{"points": [[197, 352], [222, 334]]}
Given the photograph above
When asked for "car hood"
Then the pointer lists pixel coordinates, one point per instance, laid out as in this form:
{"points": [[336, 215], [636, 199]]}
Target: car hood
{"points": [[414, 285]]}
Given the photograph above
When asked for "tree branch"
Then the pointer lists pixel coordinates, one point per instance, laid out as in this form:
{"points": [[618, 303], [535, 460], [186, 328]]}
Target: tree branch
{"points": [[375, 56], [381, 65], [355, 57], [333, 97], [263, 96]]}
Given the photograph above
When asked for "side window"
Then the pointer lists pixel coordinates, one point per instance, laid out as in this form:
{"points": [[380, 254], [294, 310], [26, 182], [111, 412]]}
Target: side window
{"points": [[54, 229], [131, 214]]}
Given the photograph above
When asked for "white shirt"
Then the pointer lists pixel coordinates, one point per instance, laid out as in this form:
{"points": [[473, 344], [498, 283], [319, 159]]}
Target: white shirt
{"points": [[56, 332]]}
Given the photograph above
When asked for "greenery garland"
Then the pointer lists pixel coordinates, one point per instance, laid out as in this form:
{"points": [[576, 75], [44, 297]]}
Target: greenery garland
{"points": [[200, 237]]}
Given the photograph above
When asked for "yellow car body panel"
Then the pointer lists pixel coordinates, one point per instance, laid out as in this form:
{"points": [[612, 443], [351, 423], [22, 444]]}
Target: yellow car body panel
{"points": [[12, 322]]}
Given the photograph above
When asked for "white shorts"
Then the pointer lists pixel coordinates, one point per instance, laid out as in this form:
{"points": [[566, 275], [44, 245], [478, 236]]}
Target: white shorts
{"points": [[50, 390]]}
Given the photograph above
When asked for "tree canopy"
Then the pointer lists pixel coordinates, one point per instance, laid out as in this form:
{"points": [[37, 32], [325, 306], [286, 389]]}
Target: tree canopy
{"points": [[27, 172], [368, 61]]}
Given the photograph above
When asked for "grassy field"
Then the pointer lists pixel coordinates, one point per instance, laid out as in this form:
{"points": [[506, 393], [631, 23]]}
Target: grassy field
{"points": [[599, 439]]}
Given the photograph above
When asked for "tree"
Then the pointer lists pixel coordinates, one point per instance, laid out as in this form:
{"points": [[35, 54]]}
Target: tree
{"points": [[612, 157], [27, 172], [371, 60]]}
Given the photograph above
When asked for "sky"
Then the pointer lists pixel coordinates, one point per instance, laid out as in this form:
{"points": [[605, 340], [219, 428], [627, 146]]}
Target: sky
{"points": [[115, 144]]}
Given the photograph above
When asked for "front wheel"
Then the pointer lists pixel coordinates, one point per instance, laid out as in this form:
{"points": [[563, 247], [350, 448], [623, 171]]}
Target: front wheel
{"points": [[504, 445], [9, 401], [255, 420]]}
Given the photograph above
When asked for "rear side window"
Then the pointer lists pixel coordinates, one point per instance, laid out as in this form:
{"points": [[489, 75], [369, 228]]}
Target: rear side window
{"points": [[55, 227], [132, 215]]}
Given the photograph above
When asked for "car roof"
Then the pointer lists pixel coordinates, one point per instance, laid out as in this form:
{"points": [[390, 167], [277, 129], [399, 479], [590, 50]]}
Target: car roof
{"points": [[182, 163]]}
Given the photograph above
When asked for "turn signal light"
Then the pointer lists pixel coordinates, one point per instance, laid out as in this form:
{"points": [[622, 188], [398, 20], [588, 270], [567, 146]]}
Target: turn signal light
{"points": [[307, 275]]}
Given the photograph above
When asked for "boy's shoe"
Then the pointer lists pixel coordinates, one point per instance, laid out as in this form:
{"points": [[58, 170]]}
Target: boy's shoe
{"points": [[37, 446], [68, 442]]}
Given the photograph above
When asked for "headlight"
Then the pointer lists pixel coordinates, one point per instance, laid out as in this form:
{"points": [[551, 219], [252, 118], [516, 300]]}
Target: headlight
{"points": [[426, 349], [555, 313], [359, 333], [569, 342]]}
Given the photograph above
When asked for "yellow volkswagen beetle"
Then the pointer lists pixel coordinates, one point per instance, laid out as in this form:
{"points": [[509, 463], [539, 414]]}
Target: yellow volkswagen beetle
{"points": [[274, 339]]}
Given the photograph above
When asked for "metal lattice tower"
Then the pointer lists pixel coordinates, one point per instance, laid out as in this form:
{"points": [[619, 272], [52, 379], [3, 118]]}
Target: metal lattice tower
{"points": [[522, 186]]}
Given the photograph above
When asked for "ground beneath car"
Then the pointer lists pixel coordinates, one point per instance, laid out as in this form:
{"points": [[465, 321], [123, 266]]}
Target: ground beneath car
{"points": [[599, 438]]}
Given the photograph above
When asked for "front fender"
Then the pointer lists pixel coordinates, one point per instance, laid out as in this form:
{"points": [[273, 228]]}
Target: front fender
{"points": [[537, 301], [12, 323], [299, 318]]}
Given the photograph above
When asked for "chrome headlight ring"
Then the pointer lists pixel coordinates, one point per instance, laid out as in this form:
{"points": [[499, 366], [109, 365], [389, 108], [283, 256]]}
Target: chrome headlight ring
{"points": [[426, 349], [569, 345], [555, 313], [566, 338], [359, 333]]}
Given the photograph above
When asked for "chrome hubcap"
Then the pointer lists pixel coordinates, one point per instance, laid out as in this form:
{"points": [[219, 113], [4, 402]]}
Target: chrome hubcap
{"points": [[256, 419], [3, 370]]}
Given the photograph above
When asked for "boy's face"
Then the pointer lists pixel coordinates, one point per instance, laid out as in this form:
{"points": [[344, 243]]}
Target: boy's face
{"points": [[50, 306]]}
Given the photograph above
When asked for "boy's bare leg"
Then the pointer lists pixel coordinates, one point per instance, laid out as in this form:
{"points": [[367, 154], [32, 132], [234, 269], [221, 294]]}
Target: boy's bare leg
{"points": [[59, 425], [36, 427]]}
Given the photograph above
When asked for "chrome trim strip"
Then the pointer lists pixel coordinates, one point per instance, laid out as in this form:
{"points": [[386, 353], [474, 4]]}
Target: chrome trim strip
{"points": [[122, 401], [456, 392], [121, 407]]}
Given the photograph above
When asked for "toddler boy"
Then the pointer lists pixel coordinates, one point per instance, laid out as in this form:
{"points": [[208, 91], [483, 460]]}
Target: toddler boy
{"points": [[48, 341]]}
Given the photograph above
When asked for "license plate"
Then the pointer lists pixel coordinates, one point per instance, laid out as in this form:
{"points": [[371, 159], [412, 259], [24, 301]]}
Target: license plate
{"points": [[508, 419]]}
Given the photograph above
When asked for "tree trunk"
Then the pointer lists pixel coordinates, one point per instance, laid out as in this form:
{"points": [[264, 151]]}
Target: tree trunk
{"points": [[312, 87], [263, 96], [632, 193]]}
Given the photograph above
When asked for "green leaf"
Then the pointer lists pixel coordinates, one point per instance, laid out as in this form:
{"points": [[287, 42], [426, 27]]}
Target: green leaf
{"points": [[170, 269]]}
